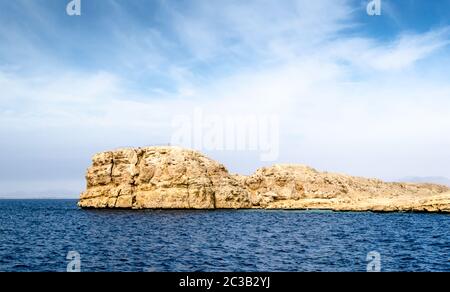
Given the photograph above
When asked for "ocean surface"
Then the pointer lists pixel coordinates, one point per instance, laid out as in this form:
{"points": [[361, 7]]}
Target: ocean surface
{"points": [[37, 235]]}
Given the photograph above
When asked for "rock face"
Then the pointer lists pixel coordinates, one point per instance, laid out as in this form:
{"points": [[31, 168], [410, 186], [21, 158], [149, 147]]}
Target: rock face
{"points": [[175, 178], [160, 177], [302, 187]]}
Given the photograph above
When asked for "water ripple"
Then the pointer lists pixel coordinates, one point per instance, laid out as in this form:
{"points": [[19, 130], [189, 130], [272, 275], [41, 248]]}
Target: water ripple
{"points": [[37, 235]]}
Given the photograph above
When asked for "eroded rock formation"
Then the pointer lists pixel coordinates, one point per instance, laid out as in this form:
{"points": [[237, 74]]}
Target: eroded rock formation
{"points": [[176, 178], [160, 177]]}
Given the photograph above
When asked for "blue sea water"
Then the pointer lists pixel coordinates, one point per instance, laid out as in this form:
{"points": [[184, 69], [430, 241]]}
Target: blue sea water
{"points": [[36, 235]]}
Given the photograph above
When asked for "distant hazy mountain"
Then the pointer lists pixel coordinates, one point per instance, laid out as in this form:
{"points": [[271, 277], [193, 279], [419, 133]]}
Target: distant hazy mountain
{"points": [[431, 179], [51, 194], [40, 189], [33, 196]]}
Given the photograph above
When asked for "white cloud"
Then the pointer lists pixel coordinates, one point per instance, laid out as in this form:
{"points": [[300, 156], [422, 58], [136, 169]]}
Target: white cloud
{"points": [[351, 104], [399, 54]]}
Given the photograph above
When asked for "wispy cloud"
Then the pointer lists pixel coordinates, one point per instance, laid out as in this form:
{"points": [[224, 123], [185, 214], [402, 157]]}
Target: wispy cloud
{"points": [[347, 101], [399, 54]]}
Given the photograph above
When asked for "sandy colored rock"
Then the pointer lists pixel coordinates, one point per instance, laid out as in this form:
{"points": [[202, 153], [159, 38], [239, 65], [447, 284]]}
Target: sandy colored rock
{"points": [[160, 178], [302, 187], [176, 178]]}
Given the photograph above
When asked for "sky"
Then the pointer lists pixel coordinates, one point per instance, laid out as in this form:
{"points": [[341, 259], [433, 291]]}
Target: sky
{"points": [[328, 85]]}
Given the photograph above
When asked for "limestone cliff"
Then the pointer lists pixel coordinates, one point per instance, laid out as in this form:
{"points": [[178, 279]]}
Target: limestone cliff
{"points": [[175, 178], [302, 187], [160, 177]]}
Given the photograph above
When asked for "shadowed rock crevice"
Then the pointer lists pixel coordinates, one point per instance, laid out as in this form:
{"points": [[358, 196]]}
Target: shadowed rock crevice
{"points": [[176, 178]]}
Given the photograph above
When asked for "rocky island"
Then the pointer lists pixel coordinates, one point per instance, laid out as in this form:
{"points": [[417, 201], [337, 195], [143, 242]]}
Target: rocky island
{"points": [[177, 178]]}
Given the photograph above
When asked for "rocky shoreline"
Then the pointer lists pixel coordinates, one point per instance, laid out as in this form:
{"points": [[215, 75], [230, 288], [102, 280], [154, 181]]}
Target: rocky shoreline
{"points": [[176, 178]]}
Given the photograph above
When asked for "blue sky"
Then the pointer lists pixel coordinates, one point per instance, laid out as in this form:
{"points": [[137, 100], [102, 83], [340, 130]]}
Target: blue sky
{"points": [[363, 95]]}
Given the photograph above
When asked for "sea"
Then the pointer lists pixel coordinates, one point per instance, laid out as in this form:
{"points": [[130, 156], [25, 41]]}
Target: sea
{"points": [[57, 236]]}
